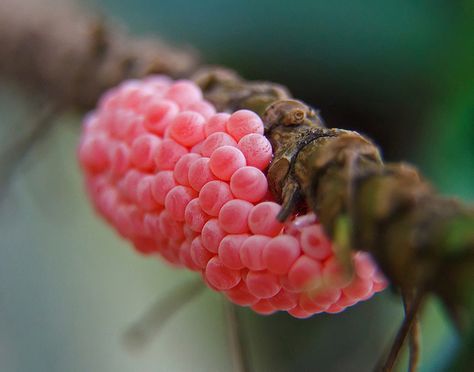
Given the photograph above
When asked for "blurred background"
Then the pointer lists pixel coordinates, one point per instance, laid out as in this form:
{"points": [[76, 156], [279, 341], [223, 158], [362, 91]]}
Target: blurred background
{"points": [[400, 72]]}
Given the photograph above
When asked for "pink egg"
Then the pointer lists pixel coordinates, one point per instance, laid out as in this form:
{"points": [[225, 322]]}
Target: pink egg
{"points": [[168, 153], [233, 216], [305, 273], [251, 252], [249, 183], [284, 300], [256, 149], [263, 307], [145, 197], [143, 151], [225, 161], [177, 199], [181, 168], [199, 173], [315, 243], [162, 183], [216, 140], [202, 107], [212, 235], [213, 196], [184, 93], [158, 114], [216, 123], [240, 295], [187, 129], [280, 253], [220, 276], [244, 122], [262, 219], [194, 216], [171, 228], [229, 251], [262, 284], [199, 254]]}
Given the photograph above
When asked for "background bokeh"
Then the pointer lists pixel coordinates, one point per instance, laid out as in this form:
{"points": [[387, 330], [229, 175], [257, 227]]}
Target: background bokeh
{"points": [[401, 72]]}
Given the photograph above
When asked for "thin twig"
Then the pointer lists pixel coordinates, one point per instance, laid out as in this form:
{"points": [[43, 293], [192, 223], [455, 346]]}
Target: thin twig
{"points": [[11, 158], [414, 340], [147, 326], [240, 359], [387, 364]]}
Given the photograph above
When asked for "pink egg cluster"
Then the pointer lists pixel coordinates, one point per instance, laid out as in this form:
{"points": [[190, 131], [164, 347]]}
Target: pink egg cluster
{"points": [[178, 179]]}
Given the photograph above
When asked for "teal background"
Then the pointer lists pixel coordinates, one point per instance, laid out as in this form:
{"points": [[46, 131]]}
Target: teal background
{"points": [[402, 72]]}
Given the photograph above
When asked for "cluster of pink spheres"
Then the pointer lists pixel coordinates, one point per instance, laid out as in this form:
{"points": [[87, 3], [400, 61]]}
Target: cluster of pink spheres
{"points": [[178, 179]]}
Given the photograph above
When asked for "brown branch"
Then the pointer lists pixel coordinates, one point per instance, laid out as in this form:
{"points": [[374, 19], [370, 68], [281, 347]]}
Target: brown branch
{"points": [[72, 56], [419, 238]]}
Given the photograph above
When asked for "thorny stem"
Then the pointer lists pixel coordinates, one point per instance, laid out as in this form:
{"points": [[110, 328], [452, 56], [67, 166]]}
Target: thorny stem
{"points": [[414, 338], [13, 156], [409, 321], [240, 359], [148, 325]]}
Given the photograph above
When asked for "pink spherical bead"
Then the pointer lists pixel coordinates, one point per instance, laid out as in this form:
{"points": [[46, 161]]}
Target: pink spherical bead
{"points": [[145, 197], [181, 168], [213, 196], [177, 199], [256, 149], [199, 173], [251, 252], [120, 161], [216, 140], [171, 228], [244, 122], [216, 123], [358, 288], [129, 184], [325, 296], [93, 154], [364, 266], [220, 276], [284, 300], [263, 307], [194, 216], [305, 273], [168, 153], [262, 284], [307, 304], [334, 274], [143, 151], [280, 253], [300, 313], [159, 114], [202, 107], [184, 93], [151, 221], [162, 183], [199, 254], [212, 235], [249, 183], [262, 219], [229, 251], [187, 129], [185, 256], [240, 295], [144, 246], [225, 161], [123, 123], [315, 243], [233, 216]]}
